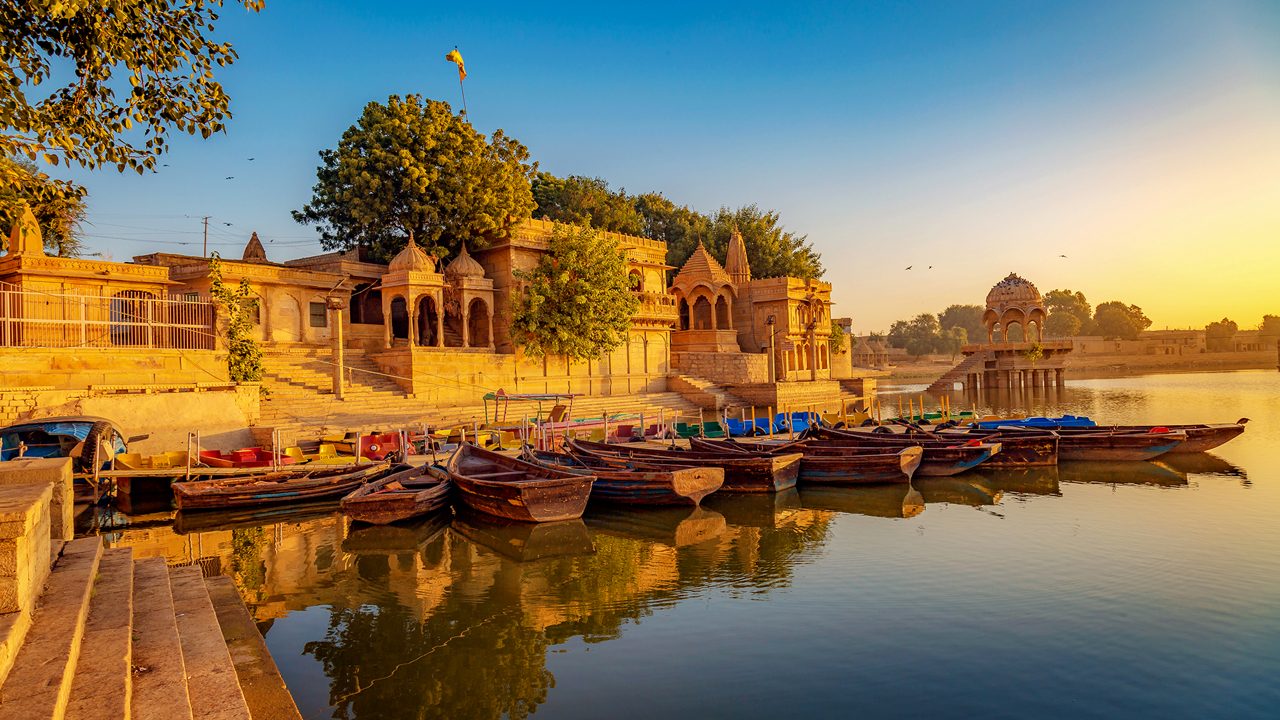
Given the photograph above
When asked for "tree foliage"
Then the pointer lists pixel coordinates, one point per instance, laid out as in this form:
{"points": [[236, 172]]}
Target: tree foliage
{"points": [[65, 65], [966, 317], [411, 165], [58, 206], [918, 336], [772, 250], [1270, 327], [951, 340], [1116, 320], [577, 302], [1069, 314], [836, 342], [1218, 335], [585, 201], [244, 355]]}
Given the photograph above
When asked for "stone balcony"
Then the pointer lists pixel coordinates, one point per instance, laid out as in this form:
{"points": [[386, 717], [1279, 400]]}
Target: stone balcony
{"points": [[656, 308]]}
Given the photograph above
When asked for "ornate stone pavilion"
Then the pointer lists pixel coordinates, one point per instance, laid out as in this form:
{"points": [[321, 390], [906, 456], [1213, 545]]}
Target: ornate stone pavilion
{"points": [[779, 327], [1015, 355]]}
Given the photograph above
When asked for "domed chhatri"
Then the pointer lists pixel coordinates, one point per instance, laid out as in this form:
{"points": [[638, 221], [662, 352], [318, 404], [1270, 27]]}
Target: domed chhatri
{"points": [[412, 258], [464, 266], [1013, 290], [1014, 301]]}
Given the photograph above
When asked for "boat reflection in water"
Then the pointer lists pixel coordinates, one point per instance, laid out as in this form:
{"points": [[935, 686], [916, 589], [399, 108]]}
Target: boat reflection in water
{"points": [[522, 541], [967, 489], [761, 510], [675, 527], [886, 501], [396, 538], [1023, 481], [1203, 464], [252, 517], [1122, 473]]}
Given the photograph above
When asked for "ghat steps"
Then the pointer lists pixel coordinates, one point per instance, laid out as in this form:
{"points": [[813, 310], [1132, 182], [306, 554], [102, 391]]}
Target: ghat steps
{"points": [[704, 393], [115, 637], [971, 364]]}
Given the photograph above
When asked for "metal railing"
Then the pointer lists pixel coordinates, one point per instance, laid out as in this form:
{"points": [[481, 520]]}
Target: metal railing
{"points": [[131, 318]]}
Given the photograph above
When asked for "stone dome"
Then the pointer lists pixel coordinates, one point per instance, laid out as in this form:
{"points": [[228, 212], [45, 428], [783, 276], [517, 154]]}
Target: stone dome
{"points": [[464, 266], [1014, 290], [412, 258]]}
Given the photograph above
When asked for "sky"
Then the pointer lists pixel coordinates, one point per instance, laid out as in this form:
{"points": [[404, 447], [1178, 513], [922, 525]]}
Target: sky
{"points": [[1139, 139]]}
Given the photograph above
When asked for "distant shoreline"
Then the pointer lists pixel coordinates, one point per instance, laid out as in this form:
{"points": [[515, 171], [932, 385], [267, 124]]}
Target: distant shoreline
{"points": [[1103, 366]]}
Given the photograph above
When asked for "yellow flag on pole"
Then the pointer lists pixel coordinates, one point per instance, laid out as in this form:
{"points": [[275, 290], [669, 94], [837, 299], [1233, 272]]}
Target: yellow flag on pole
{"points": [[455, 57]]}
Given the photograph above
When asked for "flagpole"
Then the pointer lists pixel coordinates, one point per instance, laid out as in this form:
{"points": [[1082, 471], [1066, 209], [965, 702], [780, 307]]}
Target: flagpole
{"points": [[463, 88]]}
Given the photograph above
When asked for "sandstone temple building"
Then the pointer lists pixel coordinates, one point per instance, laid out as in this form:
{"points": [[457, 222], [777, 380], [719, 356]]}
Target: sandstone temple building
{"points": [[413, 338]]}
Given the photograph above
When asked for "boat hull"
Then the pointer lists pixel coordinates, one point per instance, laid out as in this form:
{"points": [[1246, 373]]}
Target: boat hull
{"points": [[638, 484], [745, 473], [1119, 447], [375, 505], [890, 466], [526, 492], [271, 489]]}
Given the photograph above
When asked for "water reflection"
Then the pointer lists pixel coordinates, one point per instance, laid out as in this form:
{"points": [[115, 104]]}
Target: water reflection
{"points": [[1022, 481], [1122, 473], [964, 489], [1203, 464], [454, 616], [886, 501]]}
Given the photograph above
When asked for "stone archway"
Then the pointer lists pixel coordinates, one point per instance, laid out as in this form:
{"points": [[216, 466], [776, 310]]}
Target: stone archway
{"points": [[723, 321], [399, 318], [478, 323], [428, 322], [131, 317], [702, 319], [285, 318], [683, 310]]}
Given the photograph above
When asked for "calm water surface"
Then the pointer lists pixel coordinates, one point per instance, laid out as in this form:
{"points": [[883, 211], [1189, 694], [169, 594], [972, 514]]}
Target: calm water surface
{"points": [[1147, 589]]}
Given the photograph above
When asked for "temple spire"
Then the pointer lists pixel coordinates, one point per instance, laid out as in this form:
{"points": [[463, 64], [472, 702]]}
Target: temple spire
{"points": [[253, 251], [735, 261]]}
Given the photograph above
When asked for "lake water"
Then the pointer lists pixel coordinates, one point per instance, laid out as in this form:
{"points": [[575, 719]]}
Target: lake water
{"points": [[1143, 589]]}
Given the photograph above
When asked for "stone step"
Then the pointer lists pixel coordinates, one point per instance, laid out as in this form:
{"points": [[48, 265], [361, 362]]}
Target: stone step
{"points": [[159, 674], [103, 685], [39, 684], [211, 678], [260, 681]]}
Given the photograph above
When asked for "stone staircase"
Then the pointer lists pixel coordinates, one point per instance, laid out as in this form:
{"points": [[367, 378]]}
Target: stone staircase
{"points": [[98, 634], [704, 393], [971, 364]]}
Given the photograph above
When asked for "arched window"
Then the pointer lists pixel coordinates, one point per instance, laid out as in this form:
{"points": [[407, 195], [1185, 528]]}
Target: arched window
{"points": [[637, 280], [684, 314], [131, 317]]}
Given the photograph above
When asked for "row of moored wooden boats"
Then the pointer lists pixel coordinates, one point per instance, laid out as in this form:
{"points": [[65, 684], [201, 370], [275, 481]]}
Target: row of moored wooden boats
{"points": [[545, 486]]}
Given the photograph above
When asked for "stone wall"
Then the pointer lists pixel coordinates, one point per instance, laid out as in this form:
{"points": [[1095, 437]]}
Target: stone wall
{"points": [[55, 473], [733, 368], [222, 414], [77, 368], [791, 396], [457, 376]]}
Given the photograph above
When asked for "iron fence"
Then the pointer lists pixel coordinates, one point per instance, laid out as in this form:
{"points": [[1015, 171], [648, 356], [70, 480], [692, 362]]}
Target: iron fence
{"points": [[130, 318]]}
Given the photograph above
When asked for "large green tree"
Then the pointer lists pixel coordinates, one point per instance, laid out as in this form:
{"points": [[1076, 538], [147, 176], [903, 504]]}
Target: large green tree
{"points": [[919, 336], [676, 225], [772, 250], [1069, 314], [410, 165], [58, 206], [585, 201], [577, 301], [966, 317], [1116, 320], [1218, 335], [65, 64]]}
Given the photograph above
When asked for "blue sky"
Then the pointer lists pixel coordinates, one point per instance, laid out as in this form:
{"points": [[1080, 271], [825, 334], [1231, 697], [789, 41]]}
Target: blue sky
{"points": [[979, 138]]}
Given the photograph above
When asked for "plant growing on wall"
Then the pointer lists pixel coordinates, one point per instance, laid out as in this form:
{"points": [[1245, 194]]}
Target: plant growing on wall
{"points": [[837, 338], [1035, 353], [244, 355], [577, 300]]}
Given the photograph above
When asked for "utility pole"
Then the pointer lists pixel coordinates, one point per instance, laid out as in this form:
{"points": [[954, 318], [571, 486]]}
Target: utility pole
{"points": [[206, 236]]}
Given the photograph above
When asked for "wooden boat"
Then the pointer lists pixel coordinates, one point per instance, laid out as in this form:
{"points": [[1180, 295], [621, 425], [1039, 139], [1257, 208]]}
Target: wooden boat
{"points": [[254, 457], [1200, 438], [636, 483], [743, 472], [286, 486], [892, 465], [512, 489], [1117, 446], [522, 541], [1018, 449], [672, 526], [939, 460], [888, 501], [406, 493]]}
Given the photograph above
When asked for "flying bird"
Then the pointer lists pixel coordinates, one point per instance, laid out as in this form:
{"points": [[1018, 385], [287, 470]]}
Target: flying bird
{"points": [[1062, 256], [910, 266], [231, 177], [930, 267], [250, 159], [227, 224]]}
